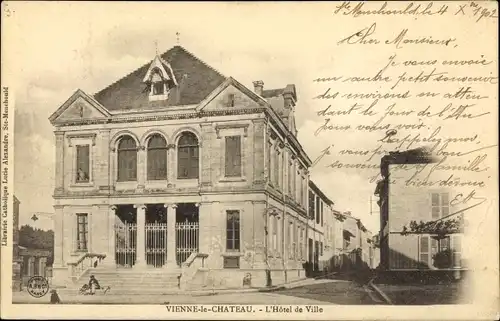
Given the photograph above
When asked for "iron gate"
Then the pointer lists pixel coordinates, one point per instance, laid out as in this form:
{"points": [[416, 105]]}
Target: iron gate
{"points": [[156, 244], [186, 240], [126, 243]]}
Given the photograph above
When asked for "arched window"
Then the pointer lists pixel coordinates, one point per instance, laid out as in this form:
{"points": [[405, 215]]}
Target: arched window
{"points": [[127, 159], [187, 156], [157, 158]]}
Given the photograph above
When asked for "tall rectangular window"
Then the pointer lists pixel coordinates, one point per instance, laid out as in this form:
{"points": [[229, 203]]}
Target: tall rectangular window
{"points": [[318, 204], [82, 226], [440, 205], [302, 190], [275, 233], [311, 205], [233, 156], [230, 100], [277, 167], [82, 164], [233, 231], [290, 179], [301, 246], [269, 160], [456, 245], [322, 209], [304, 241]]}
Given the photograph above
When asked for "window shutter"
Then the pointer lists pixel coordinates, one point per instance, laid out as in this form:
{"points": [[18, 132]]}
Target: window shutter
{"points": [[424, 250], [237, 159]]}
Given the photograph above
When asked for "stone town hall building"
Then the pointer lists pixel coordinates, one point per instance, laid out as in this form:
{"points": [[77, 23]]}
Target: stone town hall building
{"points": [[178, 169]]}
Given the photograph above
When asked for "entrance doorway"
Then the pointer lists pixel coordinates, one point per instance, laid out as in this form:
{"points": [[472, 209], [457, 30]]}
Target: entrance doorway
{"points": [[187, 231], [125, 235], [156, 235]]}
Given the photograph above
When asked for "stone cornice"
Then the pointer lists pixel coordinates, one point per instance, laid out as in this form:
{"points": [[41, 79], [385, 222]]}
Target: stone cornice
{"points": [[231, 126], [83, 135], [143, 118]]}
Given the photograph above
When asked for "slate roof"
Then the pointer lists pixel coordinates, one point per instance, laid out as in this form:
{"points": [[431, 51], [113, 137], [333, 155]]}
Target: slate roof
{"points": [[196, 81]]}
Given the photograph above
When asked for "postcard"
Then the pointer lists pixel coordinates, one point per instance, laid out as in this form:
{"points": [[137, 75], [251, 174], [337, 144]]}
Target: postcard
{"points": [[250, 160]]}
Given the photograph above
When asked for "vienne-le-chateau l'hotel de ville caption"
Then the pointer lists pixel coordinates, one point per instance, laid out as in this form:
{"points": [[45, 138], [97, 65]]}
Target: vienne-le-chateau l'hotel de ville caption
{"points": [[178, 169]]}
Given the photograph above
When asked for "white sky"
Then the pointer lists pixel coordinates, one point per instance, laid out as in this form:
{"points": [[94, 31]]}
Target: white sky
{"points": [[59, 47]]}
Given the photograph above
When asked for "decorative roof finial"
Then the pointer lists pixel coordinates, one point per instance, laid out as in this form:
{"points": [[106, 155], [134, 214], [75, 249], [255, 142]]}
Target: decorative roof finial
{"points": [[178, 34], [156, 47]]}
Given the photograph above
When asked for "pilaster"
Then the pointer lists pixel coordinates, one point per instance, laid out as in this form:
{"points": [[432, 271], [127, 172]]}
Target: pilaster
{"points": [[171, 220], [141, 236], [207, 133], [260, 161], [59, 170], [58, 236], [260, 235], [141, 167], [110, 253], [102, 177]]}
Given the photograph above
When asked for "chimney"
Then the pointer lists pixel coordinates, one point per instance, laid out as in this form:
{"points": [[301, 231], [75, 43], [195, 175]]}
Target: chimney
{"points": [[258, 86]]}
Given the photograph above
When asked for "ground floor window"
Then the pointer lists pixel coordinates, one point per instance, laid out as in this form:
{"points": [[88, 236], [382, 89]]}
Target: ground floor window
{"points": [[233, 231], [82, 231]]}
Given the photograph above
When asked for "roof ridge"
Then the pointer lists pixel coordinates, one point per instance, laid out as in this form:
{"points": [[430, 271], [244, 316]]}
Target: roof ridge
{"points": [[197, 58], [123, 77], [161, 57]]}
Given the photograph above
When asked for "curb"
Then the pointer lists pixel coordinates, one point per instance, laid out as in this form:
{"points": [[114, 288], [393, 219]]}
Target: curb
{"points": [[380, 292], [271, 289], [208, 292]]}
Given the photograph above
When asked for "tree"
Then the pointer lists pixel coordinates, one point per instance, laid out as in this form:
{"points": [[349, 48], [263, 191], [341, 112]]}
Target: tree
{"points": [[35, 238]]}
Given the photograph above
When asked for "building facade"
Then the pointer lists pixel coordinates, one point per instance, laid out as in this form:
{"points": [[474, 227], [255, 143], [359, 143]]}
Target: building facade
{"points": [[319, 210], [176, 163]]}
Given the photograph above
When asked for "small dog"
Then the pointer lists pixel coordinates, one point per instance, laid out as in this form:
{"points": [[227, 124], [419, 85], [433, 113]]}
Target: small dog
{"points": [[54, 297]]}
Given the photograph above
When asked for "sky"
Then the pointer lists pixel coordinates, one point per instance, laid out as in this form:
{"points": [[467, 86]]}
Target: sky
{"points": [[66, 46]]}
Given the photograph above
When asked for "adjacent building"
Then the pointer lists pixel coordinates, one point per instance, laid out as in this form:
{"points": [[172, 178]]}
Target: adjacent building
{"points": [[320, 210], [401, 202], [26, 262], [16, 258]]}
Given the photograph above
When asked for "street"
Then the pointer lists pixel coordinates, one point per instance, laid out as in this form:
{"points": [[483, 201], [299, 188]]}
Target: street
{"points": [[315, 292]]}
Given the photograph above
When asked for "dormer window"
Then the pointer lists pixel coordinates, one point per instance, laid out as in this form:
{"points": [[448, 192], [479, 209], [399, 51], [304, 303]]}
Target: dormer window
{"points": [[160, 79]]}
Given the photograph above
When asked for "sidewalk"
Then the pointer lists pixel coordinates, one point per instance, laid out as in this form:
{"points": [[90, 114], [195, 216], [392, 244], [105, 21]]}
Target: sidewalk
{"points": [[71, 296]]}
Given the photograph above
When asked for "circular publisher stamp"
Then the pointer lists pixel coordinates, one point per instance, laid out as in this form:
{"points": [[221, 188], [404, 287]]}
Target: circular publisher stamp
{"points": [[38, 286]]}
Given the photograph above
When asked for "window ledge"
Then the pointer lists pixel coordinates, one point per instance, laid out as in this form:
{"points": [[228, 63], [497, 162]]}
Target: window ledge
{"points": [[86, 184], [157, 182], [232, 254], [79, 252], [233, 179], [158, 97], [186, 179]]}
